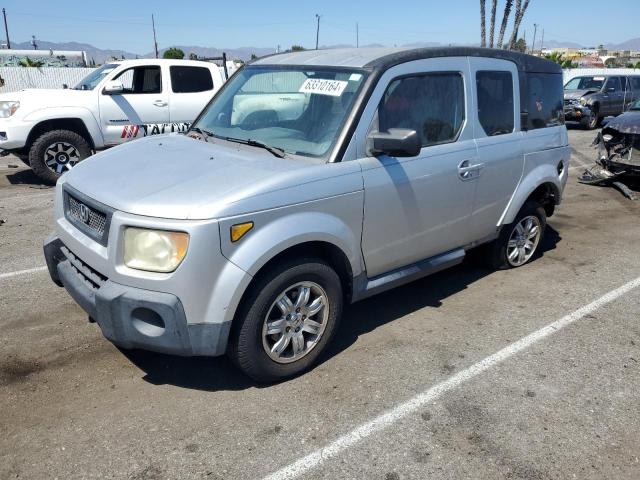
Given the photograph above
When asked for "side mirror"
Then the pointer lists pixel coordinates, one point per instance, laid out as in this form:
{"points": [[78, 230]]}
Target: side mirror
{"points": [[397, 142], [113, 87]]}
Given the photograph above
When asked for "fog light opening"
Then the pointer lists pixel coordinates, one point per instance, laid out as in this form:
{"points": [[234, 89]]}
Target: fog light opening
{"points": [[147, 322]]}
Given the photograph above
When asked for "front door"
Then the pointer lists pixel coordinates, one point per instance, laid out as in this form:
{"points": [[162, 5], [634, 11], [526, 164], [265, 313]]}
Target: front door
{"points": [[141, 109], [418, 207], [613, 96]]}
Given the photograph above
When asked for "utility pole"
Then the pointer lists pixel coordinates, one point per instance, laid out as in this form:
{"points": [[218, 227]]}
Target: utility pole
{"points": [[357, 36], [535, 30], [317, 30], [6, 29], [33, 42], [542, 42], [155, 43]]}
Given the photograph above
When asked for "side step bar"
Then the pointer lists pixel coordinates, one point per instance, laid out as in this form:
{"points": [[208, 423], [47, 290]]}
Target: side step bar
{"points": [[366, 287]]}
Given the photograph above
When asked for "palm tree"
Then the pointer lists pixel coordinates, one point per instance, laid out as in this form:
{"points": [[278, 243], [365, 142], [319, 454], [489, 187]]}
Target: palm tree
{"points": [[483, 25], [505, 21], [494, 6], [520, 9]]}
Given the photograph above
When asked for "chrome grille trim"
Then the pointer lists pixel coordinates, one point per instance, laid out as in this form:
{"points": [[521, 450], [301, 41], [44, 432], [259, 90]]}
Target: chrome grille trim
{"points": [[89, 216]]}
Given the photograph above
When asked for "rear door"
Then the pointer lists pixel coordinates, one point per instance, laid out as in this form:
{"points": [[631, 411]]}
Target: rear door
{"points": [[141, 109], [191, 88], [496, 120]]}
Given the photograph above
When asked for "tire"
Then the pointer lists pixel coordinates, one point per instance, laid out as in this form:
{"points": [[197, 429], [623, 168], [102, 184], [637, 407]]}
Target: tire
{"points": [[500, 249], [249, 339], [593, 121], [55, 151]]}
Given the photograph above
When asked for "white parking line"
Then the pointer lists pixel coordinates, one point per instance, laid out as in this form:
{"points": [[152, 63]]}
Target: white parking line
{"points": [[383, 421], [21, 272]]}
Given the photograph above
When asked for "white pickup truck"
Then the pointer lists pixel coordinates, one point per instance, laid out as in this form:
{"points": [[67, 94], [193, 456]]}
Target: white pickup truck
{"points": [[52, 130]]}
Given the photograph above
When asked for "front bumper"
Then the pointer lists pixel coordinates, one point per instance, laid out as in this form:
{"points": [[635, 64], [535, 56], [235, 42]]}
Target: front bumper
{"points": [[132, 317], [14, 133], [576, 112]]}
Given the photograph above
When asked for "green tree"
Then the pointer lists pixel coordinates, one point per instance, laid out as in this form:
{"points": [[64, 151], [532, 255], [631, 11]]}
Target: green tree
{"points": [[254, 56], [193, 56], [174, 53], [637, 65], [521, 45], [27, 62], [297, 48], [483, 25]]}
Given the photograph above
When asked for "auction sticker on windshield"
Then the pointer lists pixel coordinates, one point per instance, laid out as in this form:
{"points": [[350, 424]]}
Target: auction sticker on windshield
{"points": [[323, 87]]}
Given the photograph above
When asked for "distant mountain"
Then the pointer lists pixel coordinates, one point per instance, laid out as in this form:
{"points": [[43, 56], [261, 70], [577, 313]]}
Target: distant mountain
{"points": [[554, 44], [242, 53], [633, 44]]}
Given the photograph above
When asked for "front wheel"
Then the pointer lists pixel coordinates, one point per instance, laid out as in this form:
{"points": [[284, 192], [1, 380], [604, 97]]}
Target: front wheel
{"points": [[288, 319], [520, 240], [55, 152]]}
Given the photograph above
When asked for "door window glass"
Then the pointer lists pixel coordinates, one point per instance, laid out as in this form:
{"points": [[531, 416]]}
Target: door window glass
{"points": [[189, 79], [545, 100], [431, 104], [635, 83], [147, 79], [613, 82], [495, 102]]}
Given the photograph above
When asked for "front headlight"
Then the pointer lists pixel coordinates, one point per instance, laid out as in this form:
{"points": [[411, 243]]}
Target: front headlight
{"points": [[154, 250], [583, 102], [8, 108]]}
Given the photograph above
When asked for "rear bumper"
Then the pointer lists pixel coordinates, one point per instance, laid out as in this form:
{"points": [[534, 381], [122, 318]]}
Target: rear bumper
{"points": [[132, 317]]}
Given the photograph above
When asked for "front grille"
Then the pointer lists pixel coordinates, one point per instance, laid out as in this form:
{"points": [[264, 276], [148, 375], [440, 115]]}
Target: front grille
{"points": [[91, 278], [95, 220], [90, 217]]}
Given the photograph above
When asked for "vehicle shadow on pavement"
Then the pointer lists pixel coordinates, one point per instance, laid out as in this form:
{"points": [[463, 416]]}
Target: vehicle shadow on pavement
{"points": [[214, 374], [26, 177]]}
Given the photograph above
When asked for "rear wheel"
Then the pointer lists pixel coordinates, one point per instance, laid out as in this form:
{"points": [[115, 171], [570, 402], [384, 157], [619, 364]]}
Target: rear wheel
{"points": [[519, 241], [55, 152], [288, 319]]}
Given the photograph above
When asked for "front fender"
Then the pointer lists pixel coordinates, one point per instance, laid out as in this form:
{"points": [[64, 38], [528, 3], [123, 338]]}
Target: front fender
{"points": [[337, 221], [539, 175], [60, 113]]}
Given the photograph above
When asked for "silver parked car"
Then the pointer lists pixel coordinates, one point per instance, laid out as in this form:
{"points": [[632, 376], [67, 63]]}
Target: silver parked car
{"points": [[311, 179]]}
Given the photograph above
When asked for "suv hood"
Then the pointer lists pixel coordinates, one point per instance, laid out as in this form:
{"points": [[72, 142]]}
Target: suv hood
{"points": [[36, 98], [572, 94], [171, 176]]}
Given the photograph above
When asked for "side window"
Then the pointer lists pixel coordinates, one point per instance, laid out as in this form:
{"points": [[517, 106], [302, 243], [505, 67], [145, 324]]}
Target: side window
{"points": [[613, 82], [431, 104], [145, 79], [545, 100], [495, 102], [189, 79], [635, 83]]}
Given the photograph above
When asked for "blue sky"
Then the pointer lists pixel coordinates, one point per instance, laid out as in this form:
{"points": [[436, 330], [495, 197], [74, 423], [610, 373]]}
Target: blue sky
{"points": [[126, 24]]}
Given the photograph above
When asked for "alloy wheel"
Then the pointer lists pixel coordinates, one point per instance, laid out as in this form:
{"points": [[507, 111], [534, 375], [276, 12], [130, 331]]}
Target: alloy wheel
{"points": [[60, 156], [523, 241], [295, 322]]}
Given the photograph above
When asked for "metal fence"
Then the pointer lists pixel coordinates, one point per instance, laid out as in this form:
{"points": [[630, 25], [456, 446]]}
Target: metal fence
{"points": [[17, 78]]}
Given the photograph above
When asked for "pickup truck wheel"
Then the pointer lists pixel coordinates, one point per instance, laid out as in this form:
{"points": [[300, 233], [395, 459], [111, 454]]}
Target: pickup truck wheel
{"points": [[519, 241], [288, 319], [55, 152]]}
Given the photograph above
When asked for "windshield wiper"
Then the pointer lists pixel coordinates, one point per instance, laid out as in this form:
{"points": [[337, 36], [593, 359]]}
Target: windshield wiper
{"points": [[275, 151], [205, 134]]}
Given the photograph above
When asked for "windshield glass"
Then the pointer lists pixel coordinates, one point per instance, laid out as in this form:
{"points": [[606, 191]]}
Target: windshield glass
{"points": [[90, 81], [294, 109], [635, 106], [585, 83]]}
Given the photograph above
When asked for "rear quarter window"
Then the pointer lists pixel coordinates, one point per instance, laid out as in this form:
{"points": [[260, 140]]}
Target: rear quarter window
{"points": [[544, 100], [189, 79]]}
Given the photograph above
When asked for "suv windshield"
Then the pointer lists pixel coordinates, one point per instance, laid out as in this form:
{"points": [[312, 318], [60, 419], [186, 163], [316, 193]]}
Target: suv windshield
{"points": [[90, 81], [294, 109], [585, 83], [635, 106]]}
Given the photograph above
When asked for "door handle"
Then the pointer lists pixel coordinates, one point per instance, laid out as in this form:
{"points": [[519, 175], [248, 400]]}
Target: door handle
{"points": [[466, 171], [160, 103]]}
